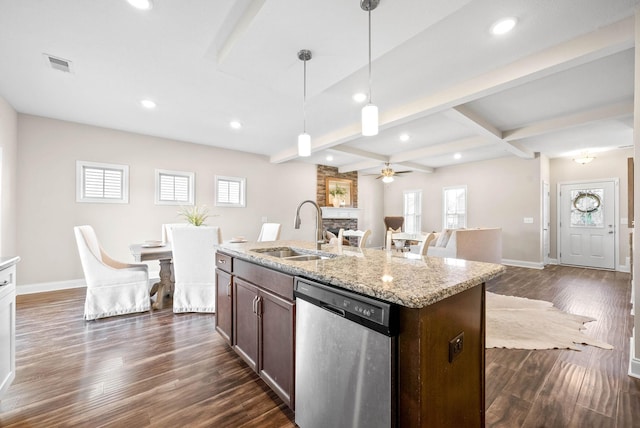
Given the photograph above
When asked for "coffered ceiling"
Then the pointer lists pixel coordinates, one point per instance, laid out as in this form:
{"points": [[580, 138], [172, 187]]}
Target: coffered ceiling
{"points": [[559, 84]]}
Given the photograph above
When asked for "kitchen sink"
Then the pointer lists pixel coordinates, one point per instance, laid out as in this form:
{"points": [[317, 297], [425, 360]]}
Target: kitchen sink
{"points": [[294, 254]]}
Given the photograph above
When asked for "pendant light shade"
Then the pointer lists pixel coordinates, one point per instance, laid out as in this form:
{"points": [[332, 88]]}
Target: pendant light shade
{"points": [[369, 120], [370, 111], [304, 139], [304, 145]]}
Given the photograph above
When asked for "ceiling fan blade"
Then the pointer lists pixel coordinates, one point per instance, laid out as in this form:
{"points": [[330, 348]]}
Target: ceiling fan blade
{"points": [[402, 172], [380, 176]]}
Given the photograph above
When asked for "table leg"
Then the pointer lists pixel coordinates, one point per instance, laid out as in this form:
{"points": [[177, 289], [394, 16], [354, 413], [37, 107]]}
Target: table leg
{"points": [[165, 286]]}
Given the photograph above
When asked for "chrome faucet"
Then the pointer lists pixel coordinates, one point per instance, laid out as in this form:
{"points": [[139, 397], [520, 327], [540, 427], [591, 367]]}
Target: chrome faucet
{"points": [[319, 235]]}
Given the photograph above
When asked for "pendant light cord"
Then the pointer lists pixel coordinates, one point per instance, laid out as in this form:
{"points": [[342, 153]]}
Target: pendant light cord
{"points": [[304, 99], [369, 53]]}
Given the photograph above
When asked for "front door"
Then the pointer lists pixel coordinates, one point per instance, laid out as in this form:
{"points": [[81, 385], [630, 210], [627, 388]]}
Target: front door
{"points": [[587, 224]]}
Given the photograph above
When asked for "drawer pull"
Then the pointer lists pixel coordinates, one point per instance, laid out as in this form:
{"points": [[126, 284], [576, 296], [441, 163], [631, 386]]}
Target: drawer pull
{"points": [[229, 289], [3, 283], [222, 261]]}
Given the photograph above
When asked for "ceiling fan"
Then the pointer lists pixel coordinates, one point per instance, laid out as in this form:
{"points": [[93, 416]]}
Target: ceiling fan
{"points": [[388, 173]]}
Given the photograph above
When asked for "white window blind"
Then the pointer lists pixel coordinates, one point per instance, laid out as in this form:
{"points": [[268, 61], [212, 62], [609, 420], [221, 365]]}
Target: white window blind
{"points": [[230, 191], [412, 211], [103, 183], [455, 207], [174, 187]]}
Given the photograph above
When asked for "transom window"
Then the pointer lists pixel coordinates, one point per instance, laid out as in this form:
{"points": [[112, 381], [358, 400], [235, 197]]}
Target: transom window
{"points": [[412, 211], [102, 183], [174, 187], [230, 191], [454, 202]]}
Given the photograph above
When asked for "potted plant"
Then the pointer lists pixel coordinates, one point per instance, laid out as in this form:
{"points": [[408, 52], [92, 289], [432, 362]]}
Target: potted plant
{"points": [[194, 215], [337, 192]]}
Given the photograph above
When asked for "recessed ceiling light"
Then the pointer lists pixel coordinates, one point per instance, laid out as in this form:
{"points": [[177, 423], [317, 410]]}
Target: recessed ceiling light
{"points": [[404, 137], [148, 104], [457, 156], [329, 158], [141, 4], [503, 26], [359, 97], [235, 124]]}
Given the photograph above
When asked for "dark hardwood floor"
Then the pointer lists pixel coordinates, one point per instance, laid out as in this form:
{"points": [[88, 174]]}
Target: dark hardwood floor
{"points": [[165, 370]]}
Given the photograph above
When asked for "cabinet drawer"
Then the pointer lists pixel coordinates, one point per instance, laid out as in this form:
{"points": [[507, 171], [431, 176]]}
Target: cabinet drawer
{"points": [[7, 281], [224, 262], [274, 281]]}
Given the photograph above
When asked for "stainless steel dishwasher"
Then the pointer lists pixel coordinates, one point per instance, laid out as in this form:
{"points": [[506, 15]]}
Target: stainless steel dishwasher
{"points": [[344, 358]]}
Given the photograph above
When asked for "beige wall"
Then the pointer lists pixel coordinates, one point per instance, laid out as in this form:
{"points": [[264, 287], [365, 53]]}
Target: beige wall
{"points": [[500, 193], [606, 165], [8, 196], [47, 208], [371, 202]]}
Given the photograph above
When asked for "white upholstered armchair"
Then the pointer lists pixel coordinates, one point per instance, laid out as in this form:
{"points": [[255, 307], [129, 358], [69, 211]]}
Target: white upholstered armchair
{"points": [[113, 287], [194, 268]]}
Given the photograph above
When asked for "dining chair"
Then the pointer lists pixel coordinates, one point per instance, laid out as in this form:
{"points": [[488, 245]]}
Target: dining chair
{"points": [[393, 224], [362, 235], [269, 232], [424, 245], [113, 287], [167, 230], [194, 268]]}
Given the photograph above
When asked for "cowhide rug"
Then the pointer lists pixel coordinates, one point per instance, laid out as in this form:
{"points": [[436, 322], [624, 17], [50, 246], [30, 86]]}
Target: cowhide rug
{"points": [[517, 322]]}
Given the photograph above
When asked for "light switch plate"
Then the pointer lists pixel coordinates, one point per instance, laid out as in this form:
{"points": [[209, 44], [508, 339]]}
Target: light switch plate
{"points": [[528, 220]]}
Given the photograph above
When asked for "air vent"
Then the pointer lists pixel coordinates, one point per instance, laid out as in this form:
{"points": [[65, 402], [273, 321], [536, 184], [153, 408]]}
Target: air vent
{"points": [[58, 63]]}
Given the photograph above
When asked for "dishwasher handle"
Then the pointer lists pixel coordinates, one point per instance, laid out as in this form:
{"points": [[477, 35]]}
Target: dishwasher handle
{"points": [[334, 310]]}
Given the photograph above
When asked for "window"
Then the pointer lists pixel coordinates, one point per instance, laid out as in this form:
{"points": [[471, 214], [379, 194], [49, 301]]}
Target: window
{"points": [[230, 191], [455, 207], [102, 182], [174, 187], [412, 211]]}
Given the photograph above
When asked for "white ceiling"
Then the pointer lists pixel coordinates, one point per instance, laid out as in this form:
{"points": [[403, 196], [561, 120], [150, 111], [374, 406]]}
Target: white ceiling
{"points": [[559, 84]]}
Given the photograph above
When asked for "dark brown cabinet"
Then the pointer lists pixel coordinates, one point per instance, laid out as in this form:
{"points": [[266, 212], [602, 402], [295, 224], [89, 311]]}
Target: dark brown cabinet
{"points": [[224, 297], [224, 305], [262, 319]]}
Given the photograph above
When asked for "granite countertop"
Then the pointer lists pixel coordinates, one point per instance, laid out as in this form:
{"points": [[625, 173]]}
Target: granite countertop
{"points": [[406, 279], [6, 262]]}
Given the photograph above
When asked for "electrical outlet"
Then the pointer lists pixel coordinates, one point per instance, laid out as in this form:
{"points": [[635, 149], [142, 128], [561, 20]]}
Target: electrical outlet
{"points": [[455, 347]]}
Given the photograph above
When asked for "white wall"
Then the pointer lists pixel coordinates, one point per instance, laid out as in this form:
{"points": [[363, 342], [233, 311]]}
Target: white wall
{"points": [[8, 211], [47, 210], [371, 201], [500, 193]]}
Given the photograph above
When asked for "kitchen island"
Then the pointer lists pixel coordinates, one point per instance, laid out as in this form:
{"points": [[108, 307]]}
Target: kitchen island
{"points": [[439, 348]]}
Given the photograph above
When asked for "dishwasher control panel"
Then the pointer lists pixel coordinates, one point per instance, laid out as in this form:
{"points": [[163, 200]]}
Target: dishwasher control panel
{"points": [[365, 310]]}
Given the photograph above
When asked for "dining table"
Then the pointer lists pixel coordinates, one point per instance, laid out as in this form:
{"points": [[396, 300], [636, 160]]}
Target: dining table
{"points": [[162, 252]]}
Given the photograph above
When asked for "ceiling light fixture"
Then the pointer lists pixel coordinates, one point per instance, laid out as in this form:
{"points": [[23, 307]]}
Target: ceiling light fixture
{"points": [[370, 111], [304, 139], [329, 158], [387, 179], [141, 4], [457, 156], [235, 124], [404, 137], [503, 26], [584, 159], [148, 104], [359, 97]]}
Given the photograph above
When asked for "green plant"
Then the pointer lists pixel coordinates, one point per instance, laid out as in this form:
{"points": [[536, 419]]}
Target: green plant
{"points": [[338, 191], [194, 215]]}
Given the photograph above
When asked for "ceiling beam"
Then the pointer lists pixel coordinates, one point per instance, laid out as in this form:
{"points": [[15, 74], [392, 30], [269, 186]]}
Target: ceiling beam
{"points": [[481, 126], [358, 166], [450, 147], [360, 153], [601, 43], [613, 111]]}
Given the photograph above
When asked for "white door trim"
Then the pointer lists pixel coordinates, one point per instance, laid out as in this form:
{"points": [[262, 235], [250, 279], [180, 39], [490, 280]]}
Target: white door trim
{"points": [[616, 219]]}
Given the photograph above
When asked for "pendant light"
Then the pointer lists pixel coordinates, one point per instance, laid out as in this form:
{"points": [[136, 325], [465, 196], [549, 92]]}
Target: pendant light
{"points": [[304, 139], [370, 111]]}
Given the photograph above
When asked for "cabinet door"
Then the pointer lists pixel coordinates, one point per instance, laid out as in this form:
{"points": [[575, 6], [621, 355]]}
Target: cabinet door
{"points": [[224, 305], [245, 321], [276, 364], [7, 328]]}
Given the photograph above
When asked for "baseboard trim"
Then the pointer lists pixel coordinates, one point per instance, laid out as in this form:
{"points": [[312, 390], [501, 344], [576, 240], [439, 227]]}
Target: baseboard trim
{"points": [[520, 263], [634, 363], [43, 287]]}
